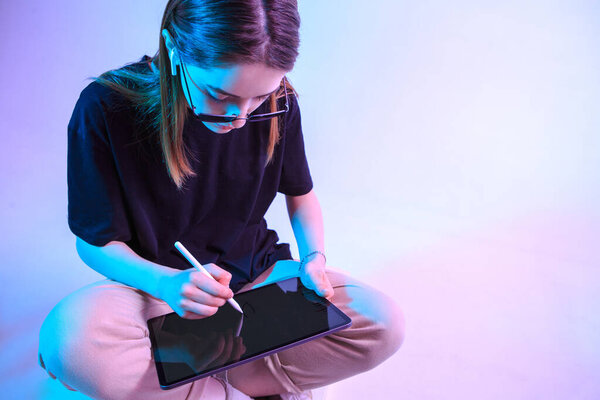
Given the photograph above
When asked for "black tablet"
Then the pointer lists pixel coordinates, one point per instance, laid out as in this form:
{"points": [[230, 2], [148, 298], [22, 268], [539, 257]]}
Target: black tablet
{"points": [[276, 317]]}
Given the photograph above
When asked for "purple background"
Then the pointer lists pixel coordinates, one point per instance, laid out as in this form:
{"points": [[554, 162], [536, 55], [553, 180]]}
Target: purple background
{"points": [[455, 151]]}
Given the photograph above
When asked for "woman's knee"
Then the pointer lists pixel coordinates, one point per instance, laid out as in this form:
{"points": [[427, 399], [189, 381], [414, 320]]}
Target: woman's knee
{"points": [[79, 336], [378, 324], [61, 336], [388, 329]]}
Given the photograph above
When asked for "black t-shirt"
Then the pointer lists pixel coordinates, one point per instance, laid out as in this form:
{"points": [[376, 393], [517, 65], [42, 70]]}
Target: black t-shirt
{"points": [[119, 188]]}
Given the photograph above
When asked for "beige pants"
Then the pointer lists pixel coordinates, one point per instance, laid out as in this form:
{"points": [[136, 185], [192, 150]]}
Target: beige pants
{"points": [[96, 341]]}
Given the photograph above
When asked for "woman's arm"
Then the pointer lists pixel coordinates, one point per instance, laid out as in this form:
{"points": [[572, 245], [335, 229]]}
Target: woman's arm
{"points": [[307, 222], [190, 293], [119, 262]]}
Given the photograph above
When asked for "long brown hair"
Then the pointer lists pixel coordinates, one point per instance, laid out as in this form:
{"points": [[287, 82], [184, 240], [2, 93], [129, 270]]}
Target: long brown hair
{"points": [[209, 33]]}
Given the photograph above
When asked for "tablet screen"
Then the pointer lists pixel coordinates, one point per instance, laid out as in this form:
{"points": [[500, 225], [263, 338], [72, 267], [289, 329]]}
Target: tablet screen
{"points": [[276, 316]]}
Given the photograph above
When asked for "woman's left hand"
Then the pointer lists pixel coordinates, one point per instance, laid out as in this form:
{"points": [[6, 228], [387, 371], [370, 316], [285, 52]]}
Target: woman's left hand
{"points": [[314, 277]]}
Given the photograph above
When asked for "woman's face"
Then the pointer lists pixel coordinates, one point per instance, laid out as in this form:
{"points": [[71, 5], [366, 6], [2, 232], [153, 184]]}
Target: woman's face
{"points": [[235, 90]]}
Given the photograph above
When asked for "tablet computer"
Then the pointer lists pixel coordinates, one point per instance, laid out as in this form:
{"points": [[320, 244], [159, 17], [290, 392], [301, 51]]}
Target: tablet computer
{"points": [[276, 317]]}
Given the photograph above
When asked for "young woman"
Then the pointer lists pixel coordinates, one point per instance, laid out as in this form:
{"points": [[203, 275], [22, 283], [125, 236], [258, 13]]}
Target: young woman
{"points": [[193, 144]]}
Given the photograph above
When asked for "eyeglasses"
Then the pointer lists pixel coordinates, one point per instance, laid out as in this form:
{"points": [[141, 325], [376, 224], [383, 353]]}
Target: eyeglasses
{"points": [[231, 118]]}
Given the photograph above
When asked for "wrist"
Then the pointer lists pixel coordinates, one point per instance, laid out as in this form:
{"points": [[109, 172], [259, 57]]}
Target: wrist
{"points": [[314, 257], [161, 280]]}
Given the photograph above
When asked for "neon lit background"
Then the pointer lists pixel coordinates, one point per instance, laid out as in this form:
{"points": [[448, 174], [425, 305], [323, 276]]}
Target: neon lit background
{"points": [[455, 150]]}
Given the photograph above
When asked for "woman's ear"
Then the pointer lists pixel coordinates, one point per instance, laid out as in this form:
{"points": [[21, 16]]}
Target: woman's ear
{"points": [[171, 51]]}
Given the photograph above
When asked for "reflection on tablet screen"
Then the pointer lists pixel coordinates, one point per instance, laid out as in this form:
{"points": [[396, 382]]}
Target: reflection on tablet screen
{"points": [[275, 316]]}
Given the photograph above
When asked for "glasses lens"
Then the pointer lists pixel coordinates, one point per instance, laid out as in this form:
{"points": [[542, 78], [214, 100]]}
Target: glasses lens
{"points": [[263, 117], [250, 118], [215, 118]]}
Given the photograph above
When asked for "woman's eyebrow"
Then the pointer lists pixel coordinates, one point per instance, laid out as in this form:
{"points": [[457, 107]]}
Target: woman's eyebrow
{"points": [[216, 89]]}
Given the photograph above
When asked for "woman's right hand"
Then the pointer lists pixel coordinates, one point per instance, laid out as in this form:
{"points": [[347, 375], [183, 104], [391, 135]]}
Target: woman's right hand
{"points": [[193, 295]]}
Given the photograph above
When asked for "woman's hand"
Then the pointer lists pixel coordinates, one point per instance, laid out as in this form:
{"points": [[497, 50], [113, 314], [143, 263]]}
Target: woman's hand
{"points": [[193, 295], [314, 277]]}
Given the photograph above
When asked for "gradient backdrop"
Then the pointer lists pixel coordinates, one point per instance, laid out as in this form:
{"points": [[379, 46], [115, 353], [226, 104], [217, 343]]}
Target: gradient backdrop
{"points": [[455, 150]]}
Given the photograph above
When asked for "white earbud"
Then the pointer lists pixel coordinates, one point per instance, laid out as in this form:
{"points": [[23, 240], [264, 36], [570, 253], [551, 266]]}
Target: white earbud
{"points": [[173, 66]]}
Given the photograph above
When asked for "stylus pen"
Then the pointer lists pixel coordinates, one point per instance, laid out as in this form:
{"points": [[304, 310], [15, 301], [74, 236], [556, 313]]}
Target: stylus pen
{"points": [[200, 268]]}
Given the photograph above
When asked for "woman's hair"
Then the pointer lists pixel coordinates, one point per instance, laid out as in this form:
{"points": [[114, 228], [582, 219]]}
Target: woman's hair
{"points": [[208, 33]]}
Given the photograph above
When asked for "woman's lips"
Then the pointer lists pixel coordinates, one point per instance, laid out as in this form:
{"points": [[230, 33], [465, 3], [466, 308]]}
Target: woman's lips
{"points": [[222, 127]]}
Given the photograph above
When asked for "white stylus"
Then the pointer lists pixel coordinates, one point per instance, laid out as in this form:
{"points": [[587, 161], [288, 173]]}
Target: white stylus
{"points": [[200, 268]]}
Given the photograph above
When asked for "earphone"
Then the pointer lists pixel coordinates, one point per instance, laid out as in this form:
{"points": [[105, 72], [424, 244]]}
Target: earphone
{"points": [[173, 66]]}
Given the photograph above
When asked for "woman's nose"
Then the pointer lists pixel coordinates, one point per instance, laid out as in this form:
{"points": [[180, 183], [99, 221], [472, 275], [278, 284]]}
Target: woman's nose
{"points": [[241, 109]]}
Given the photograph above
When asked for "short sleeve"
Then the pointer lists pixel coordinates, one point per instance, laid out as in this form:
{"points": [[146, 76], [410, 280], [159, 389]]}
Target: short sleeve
{"points": [[96, 210], [295, 174]]}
